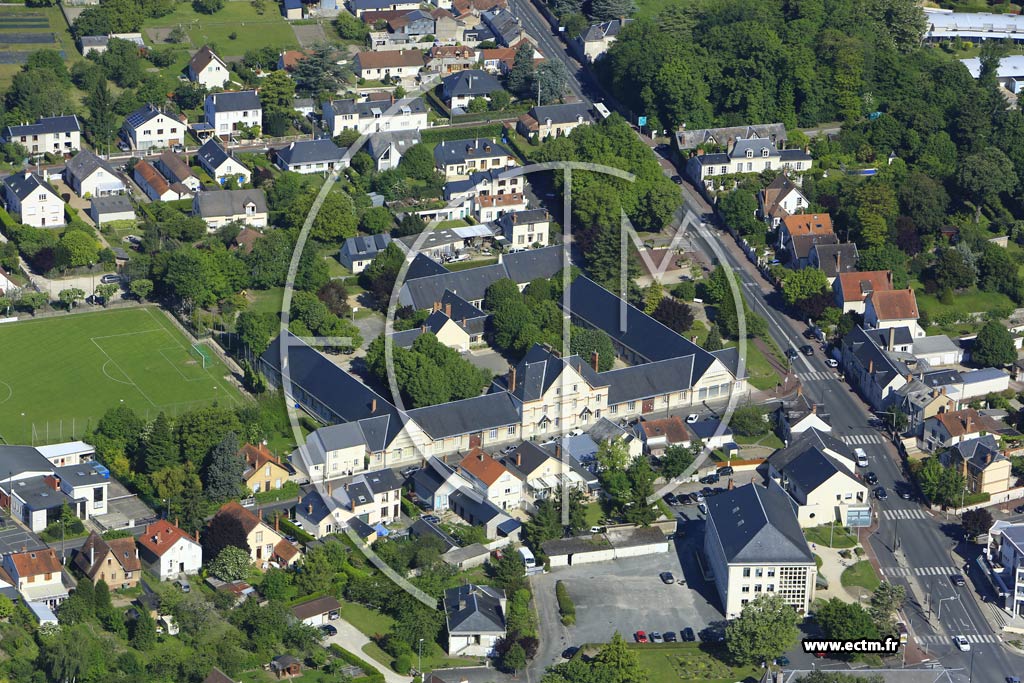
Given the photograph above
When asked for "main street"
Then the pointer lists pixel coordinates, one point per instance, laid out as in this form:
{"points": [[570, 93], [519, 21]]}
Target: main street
{"points": [[925, 549]]}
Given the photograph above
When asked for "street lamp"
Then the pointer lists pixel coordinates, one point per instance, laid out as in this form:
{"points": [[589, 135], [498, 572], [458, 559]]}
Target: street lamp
{"points": [[419, 664], [942, 600]]}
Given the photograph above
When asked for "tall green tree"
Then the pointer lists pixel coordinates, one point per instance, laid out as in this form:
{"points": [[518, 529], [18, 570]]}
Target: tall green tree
{"points": [[993, 346], [766, 628], [222, 475]]}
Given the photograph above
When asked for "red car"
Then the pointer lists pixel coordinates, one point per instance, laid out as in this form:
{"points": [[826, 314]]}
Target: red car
{"points": [[641, 637]]}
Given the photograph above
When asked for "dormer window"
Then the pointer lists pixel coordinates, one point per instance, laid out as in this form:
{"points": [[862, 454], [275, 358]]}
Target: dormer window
{"points": [[750, 154], [764, 152]]}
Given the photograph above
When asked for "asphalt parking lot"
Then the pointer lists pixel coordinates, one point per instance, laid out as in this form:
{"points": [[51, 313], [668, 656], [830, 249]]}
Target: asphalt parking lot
{"points": [[13, 537], [627, 595]]}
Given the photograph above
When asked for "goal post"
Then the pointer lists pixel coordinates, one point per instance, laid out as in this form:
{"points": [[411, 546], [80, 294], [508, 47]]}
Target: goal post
{"points": [[201, 353]]}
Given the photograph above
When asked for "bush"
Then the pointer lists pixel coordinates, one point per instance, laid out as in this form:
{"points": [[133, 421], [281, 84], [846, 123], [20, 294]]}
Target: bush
{"points": [[371, 675], [403, 663], [436, 135], [565, 604], [685, 290]]}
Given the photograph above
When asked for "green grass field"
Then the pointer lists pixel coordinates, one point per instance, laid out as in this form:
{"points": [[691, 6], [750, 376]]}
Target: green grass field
{"points": [[860, 574], [253, 30], [689, 662], [61, 374]]}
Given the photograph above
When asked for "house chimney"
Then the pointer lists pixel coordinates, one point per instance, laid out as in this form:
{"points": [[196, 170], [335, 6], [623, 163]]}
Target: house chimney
{"points": [[519, 460], [693, 339], [197, 535], [910, 378], [558, 451], [330, 488], [463, 323], [309, 508], [800, 390], [968, 424], [448, 310], [423, 329], [888, 278], [731, 485], [373, 406], [871, 366], [480, 457], [175, 521], [814, 409], [437, 306], [512, 378], [92, 554], [277, 522], [837, 261]]}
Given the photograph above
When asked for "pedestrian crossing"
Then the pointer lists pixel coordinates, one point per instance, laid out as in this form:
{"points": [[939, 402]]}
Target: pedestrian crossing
{"points": [[920, 571], [905, 513], [815, 376], [948, 640], [862, 439]]}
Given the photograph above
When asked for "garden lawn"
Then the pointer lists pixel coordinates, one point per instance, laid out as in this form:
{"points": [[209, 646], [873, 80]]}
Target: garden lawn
{"points": [[368, 621], [841, 538], [690, 662], [61, 374], [466, 265], [860, 574], [968, 301], [253, 30]]}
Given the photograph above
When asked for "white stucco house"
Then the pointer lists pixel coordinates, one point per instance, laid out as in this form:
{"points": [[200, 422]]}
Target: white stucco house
{"points": [[31, 200], [169, 552], [207, 69]]}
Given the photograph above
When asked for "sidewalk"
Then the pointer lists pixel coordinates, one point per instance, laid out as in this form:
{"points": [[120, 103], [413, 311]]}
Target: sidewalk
{"points": [[352, 639]]}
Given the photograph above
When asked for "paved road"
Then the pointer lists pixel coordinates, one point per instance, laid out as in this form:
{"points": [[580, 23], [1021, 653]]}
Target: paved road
{"points": [[552, 47]]}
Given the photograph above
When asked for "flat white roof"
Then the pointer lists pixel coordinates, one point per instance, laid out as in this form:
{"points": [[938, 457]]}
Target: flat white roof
{"points": [[1010, 66], [973, 22], [56, 450]]}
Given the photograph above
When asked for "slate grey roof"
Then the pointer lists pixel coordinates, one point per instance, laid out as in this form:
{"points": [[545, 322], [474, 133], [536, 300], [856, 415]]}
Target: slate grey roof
{"points": [[24, 184], [230, 202], [758, 524], [507, 220], [429, 478], [38, 495], [794, 155], [976, 450], [85, 163], [474, 609], [378, 143], [82, 474], [212, 155], [649, 379], [334, 438], [94, 41], [460, 308], [45, 125], [827, 253], [810, 469], [866, 350], [597, 307], [19, 459], [541, 367], [693, 138], [608, 29], [370, 109], [938, 378], [604, 430], [422, 528], [505, 25], [472, 283], [424, 266], [569, 112], [310, 151], [235, 101], [320, 509], [447, 153], [365, 246], [900, 335], [526, 458], [115, 203], [468, 415], [806, 440], [756, 145], [381, 481]]}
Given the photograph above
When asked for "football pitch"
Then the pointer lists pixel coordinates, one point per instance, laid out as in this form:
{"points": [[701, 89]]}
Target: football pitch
{"points": [[59, 375]]}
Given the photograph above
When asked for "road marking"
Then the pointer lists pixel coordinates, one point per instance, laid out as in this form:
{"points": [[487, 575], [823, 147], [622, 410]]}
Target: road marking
{"points": [[948, 640], [905, 513], [919, 571], [816, 376], [862, 439]]}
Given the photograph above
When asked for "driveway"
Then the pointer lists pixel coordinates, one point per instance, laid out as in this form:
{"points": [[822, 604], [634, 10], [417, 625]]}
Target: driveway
{"points": [[350, 638], [14, 538]]}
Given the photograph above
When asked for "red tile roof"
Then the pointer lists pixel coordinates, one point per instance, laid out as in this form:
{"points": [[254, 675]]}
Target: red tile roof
{"points": [[389, 59], [967, 421], [36, 562], [808, 224], [482, 466], [857, 286], [234, 510], [160, 536], [672, 428], [894, 304]]}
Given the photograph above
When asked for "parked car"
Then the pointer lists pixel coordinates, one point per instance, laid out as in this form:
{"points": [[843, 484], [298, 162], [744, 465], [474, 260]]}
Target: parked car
{"points": [[1019, 509], [782, 661], [832, 362], [433, 519], [671, 499], [726, 471], [807, 350], [709, 479], [686, 499], [183, 585], [110, 279], [880, 493], [670, 636], [678, 180], [703, 508], [870, 478], [333, 615], [656, 637], [328, 630], [958, 580], [666, 577], [570, 652], [687, 635], [905, 491], [791, 353], [862, 457], [692, 418], [597, 529], [641, 637]]}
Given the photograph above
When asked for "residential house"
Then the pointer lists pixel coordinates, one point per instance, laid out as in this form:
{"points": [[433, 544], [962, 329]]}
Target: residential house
{"points": [[358, 252], [388, 66], [490, 182], [177, 171], [458, 335], [803, 225], [226, 112], [492, 479], [259, 537], [115, 561], [433, 483], [919, 402], [38, 576], [169, 552], [459, 89], [1005, 553], [506, 26], [405, 30], [461, 158], [500, 60], [217, 676], [984, 467], [823, 488], [375, 116], [219, 207], [372, 497], [523, 229], [800, 415], [475, 616], [311, 156], [387, 149], [802, 248], [448, 28], [474, 8], [853, 289], [606, 431], [939, 350], [48, 135], [833, 259], [476, 510], [149, 127], [752, 155], [781, 198], [334, 451], [289, 59], [90, 44], [316, 612], [542, 472], [554, 120], [659, 434], [207, 69], [90, 176], [32, 201], [447, 59], [263, 470], [892, 308], [156, 186], [491, 207], [692, 139], [285, 666], [754, 546], [945, 430], [871, 371], [315, 515], [221, 163], [597, 38], [85, 486]]}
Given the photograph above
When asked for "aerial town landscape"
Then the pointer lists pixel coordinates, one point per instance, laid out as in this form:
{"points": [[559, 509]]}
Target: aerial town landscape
{"points": [[481, 341]]}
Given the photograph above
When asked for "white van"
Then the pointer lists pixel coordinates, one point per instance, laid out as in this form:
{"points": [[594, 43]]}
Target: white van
{"points": [[528, 558], [862, 457]]}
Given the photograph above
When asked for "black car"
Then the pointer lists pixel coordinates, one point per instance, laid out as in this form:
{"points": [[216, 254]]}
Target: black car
{"points": [[791, 353], [807, 350], [958, 580], [686, 635], [678, 180], [670, 636], [570, 652], [685, 499], [809, 333], [871, 478], [880, 493], [905, 492], [1019, 509], [671, 499], [328, 630], [725, 471], [709, 479], [666, 577]]}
